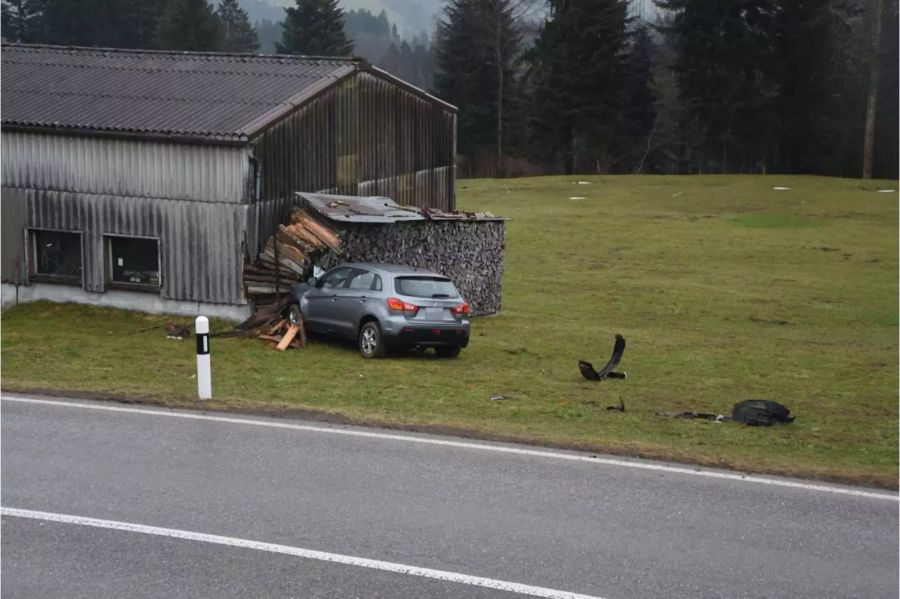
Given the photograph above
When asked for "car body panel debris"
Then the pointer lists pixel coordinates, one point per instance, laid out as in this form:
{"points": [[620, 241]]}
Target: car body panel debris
{"points": [[608, 371]]}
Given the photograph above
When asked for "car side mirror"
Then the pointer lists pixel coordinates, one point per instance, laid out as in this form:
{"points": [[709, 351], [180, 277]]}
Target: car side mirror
{"points": [[312, 281]]}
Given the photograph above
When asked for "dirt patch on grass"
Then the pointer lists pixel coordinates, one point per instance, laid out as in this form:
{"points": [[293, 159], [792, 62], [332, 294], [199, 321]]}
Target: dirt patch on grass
{"points": [[287, 412]]}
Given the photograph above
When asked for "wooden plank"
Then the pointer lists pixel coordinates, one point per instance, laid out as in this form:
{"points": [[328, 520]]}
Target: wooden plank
{"points": [[326, 235], [288, 337], [290, 251], [263, 289], [302, 332], [276, 326], [299, 231], [295, 236]]}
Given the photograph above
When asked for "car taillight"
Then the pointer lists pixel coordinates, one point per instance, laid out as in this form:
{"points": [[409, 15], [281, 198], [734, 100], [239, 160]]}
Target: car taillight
{"points": [[400, 306], [460, 310]]}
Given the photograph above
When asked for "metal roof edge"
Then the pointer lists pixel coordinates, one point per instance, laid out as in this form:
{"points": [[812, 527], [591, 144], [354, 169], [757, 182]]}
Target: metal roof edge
{"points": [[189, 53], [370, 68], [180, 138], [295, 102]]}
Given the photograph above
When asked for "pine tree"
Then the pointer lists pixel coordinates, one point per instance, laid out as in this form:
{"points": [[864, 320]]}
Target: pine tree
{"points": [[575, 84], [237, 33], [637, 121], [314, 28], [807, 77], [21, 20], [477, 48], [725, 67], [189, 25]]}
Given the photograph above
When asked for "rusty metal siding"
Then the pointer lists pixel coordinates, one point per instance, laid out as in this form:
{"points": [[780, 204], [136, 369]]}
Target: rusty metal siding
{"points": [[12, 238], [124, 167], [364, 136], [199, 242]]}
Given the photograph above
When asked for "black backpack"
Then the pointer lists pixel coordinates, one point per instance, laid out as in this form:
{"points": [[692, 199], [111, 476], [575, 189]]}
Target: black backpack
{"points": [[761, 412]]}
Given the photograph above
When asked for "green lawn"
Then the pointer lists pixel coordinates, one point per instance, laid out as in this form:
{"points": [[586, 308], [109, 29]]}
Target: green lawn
{"points": [[724, 288]]}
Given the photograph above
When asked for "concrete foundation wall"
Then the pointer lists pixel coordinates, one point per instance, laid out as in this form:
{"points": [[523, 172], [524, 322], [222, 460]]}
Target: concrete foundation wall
{"points": [[125, 300]]}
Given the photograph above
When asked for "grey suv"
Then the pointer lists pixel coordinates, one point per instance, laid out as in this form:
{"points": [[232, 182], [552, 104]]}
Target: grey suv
{"points": [[386, 306]]}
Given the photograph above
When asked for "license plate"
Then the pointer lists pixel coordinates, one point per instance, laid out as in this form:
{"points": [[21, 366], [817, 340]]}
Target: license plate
{"points": [[434, 313]]}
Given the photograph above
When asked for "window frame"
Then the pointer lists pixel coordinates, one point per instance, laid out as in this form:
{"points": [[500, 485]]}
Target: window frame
{"points": [[31, 258], [361, 272], [126, 285], [321, 282]]}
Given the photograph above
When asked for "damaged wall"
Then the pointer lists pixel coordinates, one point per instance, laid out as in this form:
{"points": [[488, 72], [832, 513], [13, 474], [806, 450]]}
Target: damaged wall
{"points": [[469, 252]]}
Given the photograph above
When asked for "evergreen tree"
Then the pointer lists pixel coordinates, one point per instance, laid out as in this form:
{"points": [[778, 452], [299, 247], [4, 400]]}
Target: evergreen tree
{"points": [[73, 23], [637, 121], [370, 34], [268, 33], [577, 68], [100, 23], [725, 67], [237, 33], [189, 25], [21, 20], [807, 76], [477, 47], [314, 28]]}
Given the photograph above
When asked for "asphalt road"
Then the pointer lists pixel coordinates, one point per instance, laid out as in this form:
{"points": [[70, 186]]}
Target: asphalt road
{"points": [[488, 514]]}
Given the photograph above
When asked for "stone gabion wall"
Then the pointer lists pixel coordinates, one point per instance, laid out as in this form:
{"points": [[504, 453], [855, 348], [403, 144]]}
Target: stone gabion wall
{"points": [[469, 252]]}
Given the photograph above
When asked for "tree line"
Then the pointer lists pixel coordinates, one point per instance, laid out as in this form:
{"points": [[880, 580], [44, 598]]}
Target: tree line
{"points": [[183, 25], [712, 86], [582, 86]]}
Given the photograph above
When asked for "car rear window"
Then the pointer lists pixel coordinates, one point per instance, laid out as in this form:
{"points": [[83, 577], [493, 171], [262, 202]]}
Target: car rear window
{"points": [[425, 287]]}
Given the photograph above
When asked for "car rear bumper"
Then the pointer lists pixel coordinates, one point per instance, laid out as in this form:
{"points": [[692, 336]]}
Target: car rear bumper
{"points": [[429, 335]]}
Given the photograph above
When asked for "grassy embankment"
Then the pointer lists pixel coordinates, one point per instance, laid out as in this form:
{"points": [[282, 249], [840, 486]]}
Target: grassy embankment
{"points": [[724, 288]]}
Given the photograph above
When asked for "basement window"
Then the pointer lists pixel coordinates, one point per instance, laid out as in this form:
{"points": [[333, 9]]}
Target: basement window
{"points": [[56, 257], [133, 263]]}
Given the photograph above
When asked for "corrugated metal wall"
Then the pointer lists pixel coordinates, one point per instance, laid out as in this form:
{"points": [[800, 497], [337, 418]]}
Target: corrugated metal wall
{"points": [[125, 167], [199, 242], [366, 136], [12, 237]]}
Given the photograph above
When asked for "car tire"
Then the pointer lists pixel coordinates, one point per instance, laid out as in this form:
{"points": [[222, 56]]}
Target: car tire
{"points": [[447, 351], [371, 343]]}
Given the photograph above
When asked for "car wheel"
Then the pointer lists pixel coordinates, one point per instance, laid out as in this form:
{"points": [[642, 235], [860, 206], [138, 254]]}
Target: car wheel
{"points": [[371, 345], [447, 351]]}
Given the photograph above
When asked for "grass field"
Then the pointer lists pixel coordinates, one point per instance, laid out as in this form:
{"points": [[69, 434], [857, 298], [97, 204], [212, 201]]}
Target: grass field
{"points": [[725, 289]]}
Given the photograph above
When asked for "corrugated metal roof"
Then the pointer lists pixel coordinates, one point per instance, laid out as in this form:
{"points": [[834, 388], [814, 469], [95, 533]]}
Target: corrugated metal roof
{"points": [[353, 209], [203, 95], [381, 210]]}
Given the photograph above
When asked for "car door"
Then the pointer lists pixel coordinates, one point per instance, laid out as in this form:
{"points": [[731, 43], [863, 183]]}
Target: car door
{"points": [[355, 297], [322, 300]]}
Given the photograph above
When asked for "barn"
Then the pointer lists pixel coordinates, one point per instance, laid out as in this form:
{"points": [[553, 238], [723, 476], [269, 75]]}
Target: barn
{"points": [[142, 179]]}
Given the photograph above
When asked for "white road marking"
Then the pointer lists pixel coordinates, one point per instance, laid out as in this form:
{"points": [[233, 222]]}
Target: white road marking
{"points": [[478, 446], [349, 560]]}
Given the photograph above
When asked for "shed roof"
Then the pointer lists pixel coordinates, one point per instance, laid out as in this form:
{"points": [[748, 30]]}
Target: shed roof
{"points": [[191, 95], [381, 210]]}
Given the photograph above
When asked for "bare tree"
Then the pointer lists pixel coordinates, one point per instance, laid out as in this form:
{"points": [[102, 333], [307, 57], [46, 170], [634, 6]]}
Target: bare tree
{"points": [[874, 60], [501, 12]]}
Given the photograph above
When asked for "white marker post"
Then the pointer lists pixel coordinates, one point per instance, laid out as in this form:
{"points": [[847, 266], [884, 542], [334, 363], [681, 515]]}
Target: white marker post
{"points": [[204, 374]]}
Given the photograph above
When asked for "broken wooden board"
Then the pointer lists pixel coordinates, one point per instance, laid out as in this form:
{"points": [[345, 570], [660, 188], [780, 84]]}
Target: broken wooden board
{"points": [[288, 337]]}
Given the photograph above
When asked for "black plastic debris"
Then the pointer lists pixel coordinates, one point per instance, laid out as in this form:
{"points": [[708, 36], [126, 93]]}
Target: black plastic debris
{"points": [[761, 412], [588, 371], [696, 416], [618, 408]]}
